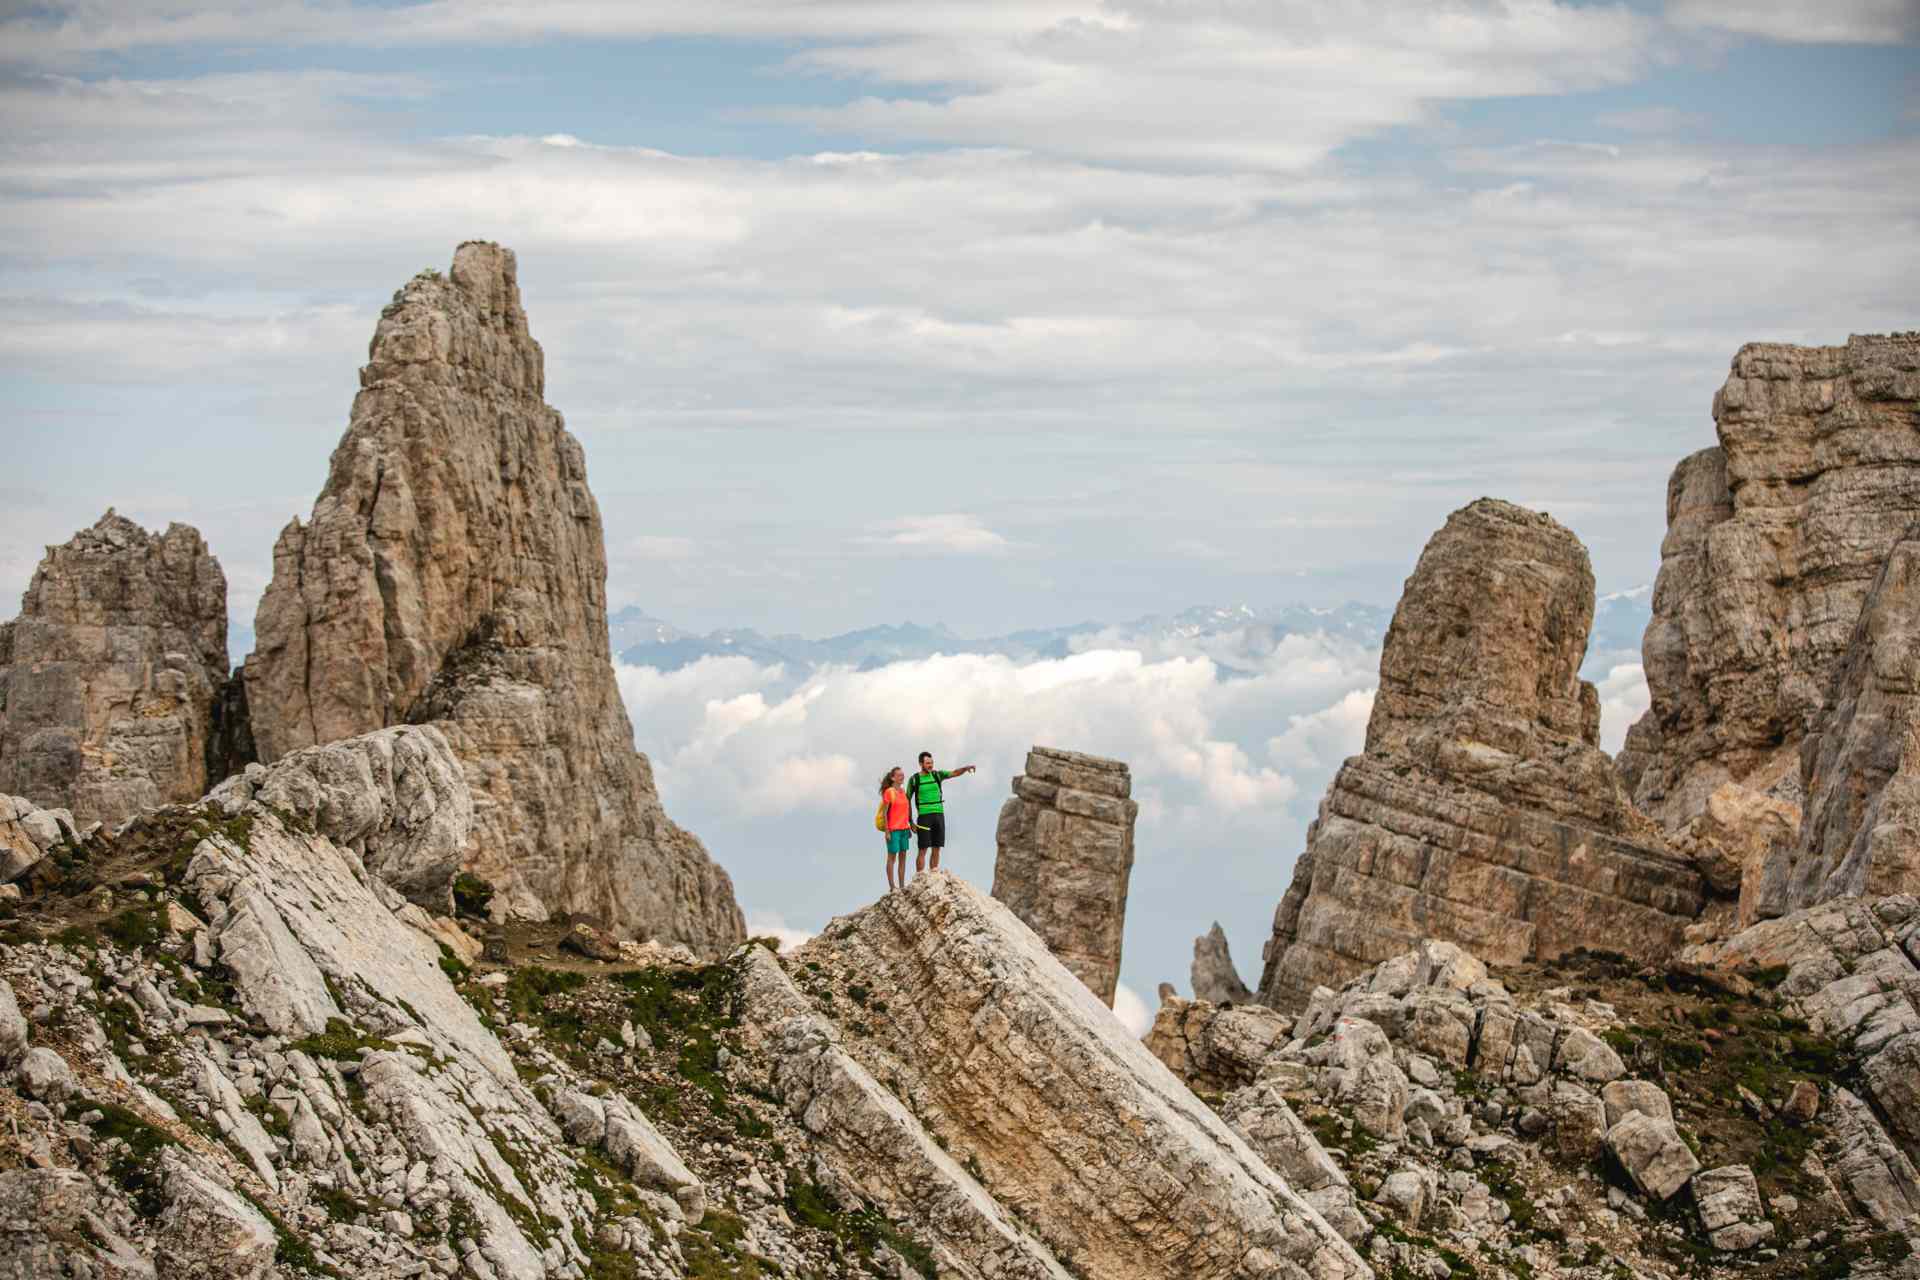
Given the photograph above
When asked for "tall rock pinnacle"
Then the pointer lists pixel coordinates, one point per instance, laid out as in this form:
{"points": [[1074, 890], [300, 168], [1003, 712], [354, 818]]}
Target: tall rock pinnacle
{"points": [[109, 677], [454, 572], [1775, 538], [1483, 811]]}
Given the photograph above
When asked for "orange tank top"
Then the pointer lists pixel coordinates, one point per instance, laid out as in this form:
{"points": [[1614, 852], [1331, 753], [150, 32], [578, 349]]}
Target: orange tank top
{"points": [[896, 809]]}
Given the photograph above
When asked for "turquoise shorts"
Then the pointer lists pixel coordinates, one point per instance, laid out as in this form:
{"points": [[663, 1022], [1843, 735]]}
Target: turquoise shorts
{"points": [[897, 841]]}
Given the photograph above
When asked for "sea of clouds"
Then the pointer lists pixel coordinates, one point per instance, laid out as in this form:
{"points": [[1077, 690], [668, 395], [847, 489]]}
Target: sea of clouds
{"points": [[777, 769]]}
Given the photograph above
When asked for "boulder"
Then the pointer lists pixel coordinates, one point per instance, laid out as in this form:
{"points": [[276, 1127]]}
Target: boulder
{"points": [[52, 1224], [1650, 1149], [1729, 1202], [397, 797], [453, 573], [1482, 812], [208, 1232], [45, 1075], [1625, 1097], [1065, 857], [13, 1028]]}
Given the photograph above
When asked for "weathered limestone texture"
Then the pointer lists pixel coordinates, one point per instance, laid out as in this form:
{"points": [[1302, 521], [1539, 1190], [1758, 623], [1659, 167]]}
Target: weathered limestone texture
{"points": [[1861, 766], [1066, 853], [1774, 540], [396, 797], [1483, 811], [109, 680], [454, 572], [1213, 976], [1022, 1075], [1853, 972]]}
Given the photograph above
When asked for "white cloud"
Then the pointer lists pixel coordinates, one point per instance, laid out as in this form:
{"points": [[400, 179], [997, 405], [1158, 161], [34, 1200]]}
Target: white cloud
{"points": [[1829, 22], [1623, 699], [1332, 733], [771, 924], [1132, 1011], [649, 546], [958, 533], [776, 769]]}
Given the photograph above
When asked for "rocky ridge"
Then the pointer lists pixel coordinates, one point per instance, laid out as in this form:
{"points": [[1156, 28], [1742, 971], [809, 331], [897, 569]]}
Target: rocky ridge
{"points": [[1065, 855], [111, 676], [1585, 1117], [453, 572], [1482, 810]]}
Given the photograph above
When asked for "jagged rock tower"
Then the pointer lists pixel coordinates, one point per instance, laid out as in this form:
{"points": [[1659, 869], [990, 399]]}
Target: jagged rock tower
{"points": [[109, 677], [1775, 538], [1483, 811], [1065, 856], [454, 572]]}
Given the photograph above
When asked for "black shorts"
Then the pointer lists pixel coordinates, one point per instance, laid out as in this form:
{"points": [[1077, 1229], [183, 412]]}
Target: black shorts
{"points": [[933, 831]]}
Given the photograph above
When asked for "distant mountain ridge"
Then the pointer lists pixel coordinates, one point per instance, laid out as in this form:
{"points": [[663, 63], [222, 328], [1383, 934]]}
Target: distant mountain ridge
{"points": [[1236, 637]]}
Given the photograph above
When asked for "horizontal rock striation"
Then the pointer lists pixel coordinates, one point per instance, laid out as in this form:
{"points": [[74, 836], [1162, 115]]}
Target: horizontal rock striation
{"points": [[454, 572], [1065, 857], [1774, 539], [1482, 811], [110, 677], [1021, 1073]]}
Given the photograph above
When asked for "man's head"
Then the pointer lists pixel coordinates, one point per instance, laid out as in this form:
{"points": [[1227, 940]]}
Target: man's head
{"points": [[926, 761]]}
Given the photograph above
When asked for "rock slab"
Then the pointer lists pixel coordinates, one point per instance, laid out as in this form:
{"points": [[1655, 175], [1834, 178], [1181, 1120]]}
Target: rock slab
{"points": [[1020, 1072], [1065, 857], [453, 572], [1483, 811]]}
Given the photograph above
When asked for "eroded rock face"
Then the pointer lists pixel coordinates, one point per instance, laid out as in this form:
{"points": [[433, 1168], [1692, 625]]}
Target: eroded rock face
{"points": [[1213, 976], [1021, 1073], [396, 797], [1774, 540], [1861, 766], [454, 572], [1483, 811], [110, 676], [1066, 854]]}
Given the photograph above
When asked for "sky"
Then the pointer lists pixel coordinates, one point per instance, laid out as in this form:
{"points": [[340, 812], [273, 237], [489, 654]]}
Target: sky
{"points": [[990, 314]]}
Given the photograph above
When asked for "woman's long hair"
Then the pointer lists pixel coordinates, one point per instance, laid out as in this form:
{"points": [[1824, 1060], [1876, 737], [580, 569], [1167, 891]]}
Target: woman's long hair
{"points": [[886, 779]]}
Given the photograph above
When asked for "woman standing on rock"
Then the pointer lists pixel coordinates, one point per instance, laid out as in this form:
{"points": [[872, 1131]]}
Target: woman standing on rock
{"points": [[897, 825]]}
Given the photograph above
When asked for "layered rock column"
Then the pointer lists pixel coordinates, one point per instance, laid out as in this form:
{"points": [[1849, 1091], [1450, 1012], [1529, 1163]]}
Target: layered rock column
{"points": [[454, 572], [1065, 857], [1483, 811], [1774, 539], [110, 676]]}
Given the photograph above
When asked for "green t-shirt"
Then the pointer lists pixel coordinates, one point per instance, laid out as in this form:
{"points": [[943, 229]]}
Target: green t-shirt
{"points": [[926, 790]]}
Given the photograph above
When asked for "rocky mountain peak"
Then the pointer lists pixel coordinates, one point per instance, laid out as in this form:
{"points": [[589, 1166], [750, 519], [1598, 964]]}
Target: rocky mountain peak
{"points": [[454, 572]]}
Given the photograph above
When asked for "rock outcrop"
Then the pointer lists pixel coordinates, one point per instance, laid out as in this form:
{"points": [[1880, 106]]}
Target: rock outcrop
{"points": [[454, 572], [1022, 1075], [111, 676], [1861, 763], [396, 797], [1065, 857], [1774, 540], [1482, 811], [1213, 976]]}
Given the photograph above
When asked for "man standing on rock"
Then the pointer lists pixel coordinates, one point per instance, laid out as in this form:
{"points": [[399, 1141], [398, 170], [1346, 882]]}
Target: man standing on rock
{"points": [[923, 794]]}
